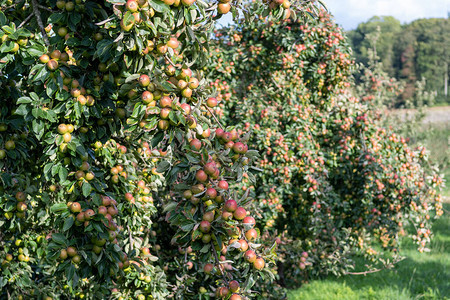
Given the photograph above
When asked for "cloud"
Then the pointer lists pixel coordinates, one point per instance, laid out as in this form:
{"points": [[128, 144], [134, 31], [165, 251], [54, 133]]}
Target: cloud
{"points": [[350, 13]]}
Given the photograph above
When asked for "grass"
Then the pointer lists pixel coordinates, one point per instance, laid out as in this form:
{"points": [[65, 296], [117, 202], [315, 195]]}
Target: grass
{"points": [[419, 276]]}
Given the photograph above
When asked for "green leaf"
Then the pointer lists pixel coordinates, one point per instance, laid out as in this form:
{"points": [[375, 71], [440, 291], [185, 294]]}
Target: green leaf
{"points": [[157, 138], [163, 166], [59, 238], [7, 46], [159, 6], [62, 174], [36, 50], [86, 189], [54, 18], [3, 19], [68, 223], [24, 100], [128, 19], [70, 272], [58, 207]]}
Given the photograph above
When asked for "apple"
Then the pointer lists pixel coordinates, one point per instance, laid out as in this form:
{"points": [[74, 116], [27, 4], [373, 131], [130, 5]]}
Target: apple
{"points": [[196, 144], [251, 235], [250, 256], [132, 6], [259, 263], [230, 205], [205, 226], [75, 207], [201, 176], [223, 8]]}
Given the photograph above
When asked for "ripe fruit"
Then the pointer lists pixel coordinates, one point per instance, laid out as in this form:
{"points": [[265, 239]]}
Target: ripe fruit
{"points": [[62, 128], [56, 54], [210, 168], [21, 206], [187, 2], [211, 102], [251, 235], [244, 245], [223, 8], [163, 124], [249, 221], [88, 214], [173, 43], [187, 93], [67, 137], [211, 193], [239, 213], [44, 58], [196, 144], [63, 254], [235, 297], [250, 256], [208, 268], [205, 226], [201, 176], [164, 114], [147, 97], [230, 205], [52, 65], [21, 196], [234, 286], [186, 108], [258, 264], [223, 185], [71, 251], [193, 83], [75, 207], [132, 6], [161, 48], [239, 148], [144, 80]]}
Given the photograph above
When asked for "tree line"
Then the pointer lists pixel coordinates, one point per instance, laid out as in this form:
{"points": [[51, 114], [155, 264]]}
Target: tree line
{"points": [[409, 52]]}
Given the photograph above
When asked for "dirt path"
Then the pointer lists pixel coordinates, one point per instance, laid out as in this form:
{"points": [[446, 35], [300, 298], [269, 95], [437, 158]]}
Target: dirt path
{"points": [[438, 114]]}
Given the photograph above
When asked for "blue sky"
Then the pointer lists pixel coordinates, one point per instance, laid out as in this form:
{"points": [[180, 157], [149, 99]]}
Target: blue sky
{"points": [[349, 13]]}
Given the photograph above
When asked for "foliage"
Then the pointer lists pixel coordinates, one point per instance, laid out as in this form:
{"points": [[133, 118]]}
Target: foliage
{"points": [[333, 182], [105, 131]]}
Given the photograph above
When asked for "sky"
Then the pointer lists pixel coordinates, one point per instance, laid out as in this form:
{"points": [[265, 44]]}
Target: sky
{"points": [[349, 13]]}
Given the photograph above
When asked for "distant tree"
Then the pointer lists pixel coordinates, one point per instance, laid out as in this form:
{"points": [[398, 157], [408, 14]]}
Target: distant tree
{"points": [[389, 28]]}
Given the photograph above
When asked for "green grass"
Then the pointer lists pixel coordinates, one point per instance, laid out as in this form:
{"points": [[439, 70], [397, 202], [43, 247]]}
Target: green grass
{"points": [[419, 276]]}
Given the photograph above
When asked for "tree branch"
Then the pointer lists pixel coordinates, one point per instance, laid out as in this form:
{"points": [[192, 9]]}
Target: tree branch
{"points": [[218, 262], [25, 21], [45, 8], [37, 14], [214, 116], [387, 266]]}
